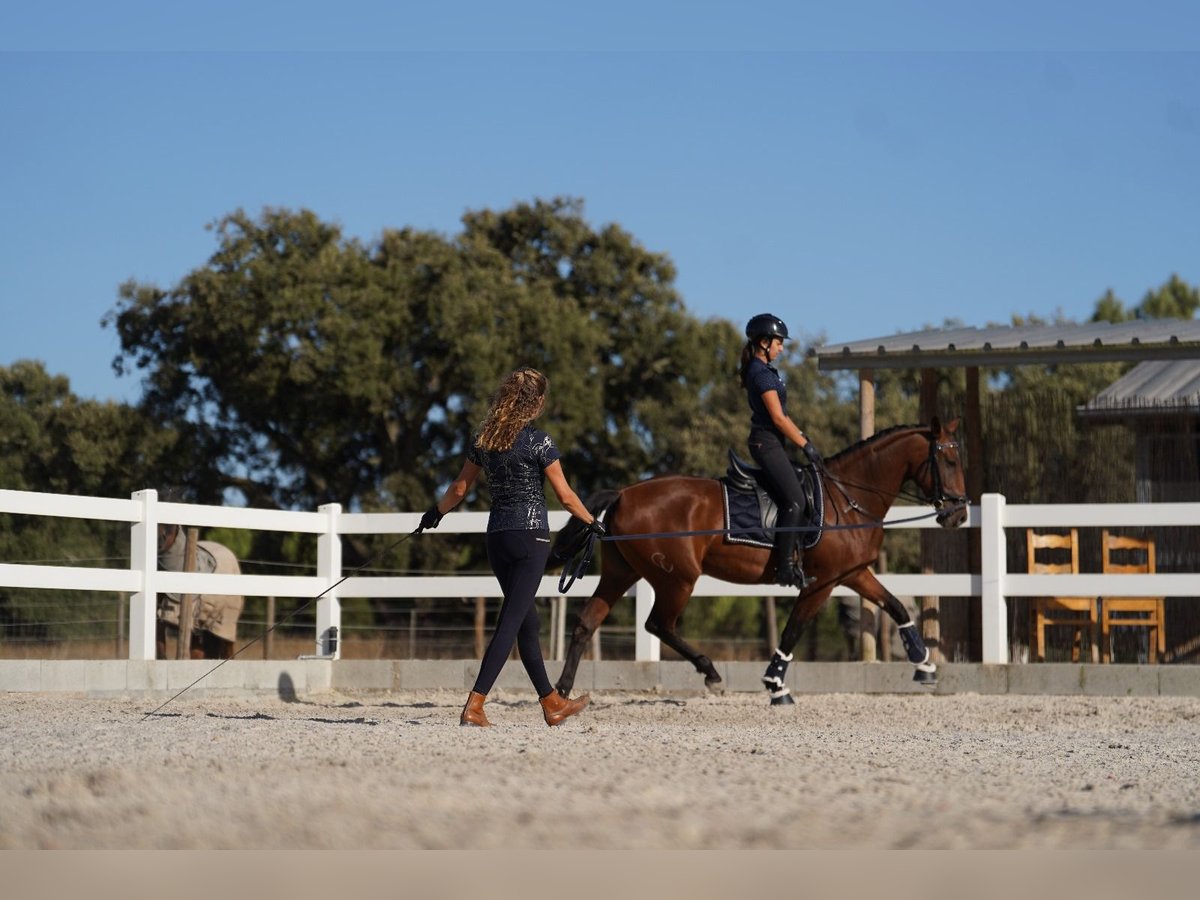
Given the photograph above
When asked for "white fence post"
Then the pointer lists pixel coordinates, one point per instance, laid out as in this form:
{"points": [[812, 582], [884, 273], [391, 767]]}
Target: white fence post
{"points": [[143, 558], [646, 647], [329, 569], [993, 563]]}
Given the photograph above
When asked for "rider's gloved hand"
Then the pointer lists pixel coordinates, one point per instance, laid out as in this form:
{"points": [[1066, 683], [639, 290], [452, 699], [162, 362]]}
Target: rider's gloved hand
{"points": [[431, 519], [814, 456], [597, 528]]}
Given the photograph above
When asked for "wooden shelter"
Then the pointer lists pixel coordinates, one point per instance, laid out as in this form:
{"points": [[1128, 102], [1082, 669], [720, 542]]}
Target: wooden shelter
{"points": [[972, 349]]}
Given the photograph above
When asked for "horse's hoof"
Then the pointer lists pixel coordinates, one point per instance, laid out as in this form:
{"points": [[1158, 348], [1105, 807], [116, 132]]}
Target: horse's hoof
{"points": [[925, 679], [784, 700], [714, 684]]}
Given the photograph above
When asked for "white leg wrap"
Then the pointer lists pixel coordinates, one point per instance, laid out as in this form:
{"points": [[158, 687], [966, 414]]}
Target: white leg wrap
{"points": [[779, 653], [782, 692], [925, 665]]}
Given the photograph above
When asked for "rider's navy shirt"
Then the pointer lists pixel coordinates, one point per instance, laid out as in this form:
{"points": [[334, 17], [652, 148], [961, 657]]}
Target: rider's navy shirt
{"points": [[515, 478], [761, 378]]}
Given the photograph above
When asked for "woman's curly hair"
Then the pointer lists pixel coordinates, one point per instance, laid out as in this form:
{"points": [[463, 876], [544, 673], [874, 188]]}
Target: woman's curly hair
{"points": [[516, 403]]}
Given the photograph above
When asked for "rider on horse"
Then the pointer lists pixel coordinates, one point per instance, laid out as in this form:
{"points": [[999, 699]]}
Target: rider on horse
{"points": [[770, 430]]}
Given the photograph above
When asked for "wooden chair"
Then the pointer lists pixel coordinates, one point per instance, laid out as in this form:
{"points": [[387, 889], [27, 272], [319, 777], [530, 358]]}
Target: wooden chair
{"points": [[1131, 612], [1045, 612]]}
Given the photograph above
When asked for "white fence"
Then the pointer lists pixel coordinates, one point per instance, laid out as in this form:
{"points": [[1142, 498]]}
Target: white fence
{"points": [[143, 580]]}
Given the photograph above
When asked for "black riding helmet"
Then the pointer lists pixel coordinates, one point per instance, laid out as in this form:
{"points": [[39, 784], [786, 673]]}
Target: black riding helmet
{"points": [[765, 325]]}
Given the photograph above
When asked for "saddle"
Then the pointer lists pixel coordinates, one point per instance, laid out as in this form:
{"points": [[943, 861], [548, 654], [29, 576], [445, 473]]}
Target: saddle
{"points": [[751, 511]]}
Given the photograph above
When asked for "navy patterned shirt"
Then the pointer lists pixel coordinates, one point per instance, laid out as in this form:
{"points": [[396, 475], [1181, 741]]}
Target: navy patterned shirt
{"points": [[761, 378], [516, 477]]}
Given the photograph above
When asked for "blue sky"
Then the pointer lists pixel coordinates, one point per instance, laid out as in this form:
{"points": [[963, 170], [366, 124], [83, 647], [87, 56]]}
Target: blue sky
{"points": [[859, 172]]}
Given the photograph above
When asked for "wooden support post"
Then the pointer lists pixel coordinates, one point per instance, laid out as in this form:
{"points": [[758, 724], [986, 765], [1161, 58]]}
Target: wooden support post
{"points": [[480, 622], [867, 621], [187, 601], [771, 625], [269, 629], [975, 467], [122, 603], [931, 629]]}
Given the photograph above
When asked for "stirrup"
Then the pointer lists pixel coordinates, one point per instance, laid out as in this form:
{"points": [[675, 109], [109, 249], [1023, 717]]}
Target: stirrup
{"points": [[803, 580], [793, 576]]}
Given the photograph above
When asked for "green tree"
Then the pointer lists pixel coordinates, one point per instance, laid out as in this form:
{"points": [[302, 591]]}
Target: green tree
{"points": [[658, 390], [301, 367], [310, 368], [51, 441], [1176, 299]]}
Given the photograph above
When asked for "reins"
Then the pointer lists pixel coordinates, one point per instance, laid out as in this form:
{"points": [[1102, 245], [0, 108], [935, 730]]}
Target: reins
{"points": [[577, 564], [789, 528]]}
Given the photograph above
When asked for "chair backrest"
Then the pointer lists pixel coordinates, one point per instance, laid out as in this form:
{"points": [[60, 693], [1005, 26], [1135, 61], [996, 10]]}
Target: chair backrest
{"points": [[1137, 558], [1060, 556]]}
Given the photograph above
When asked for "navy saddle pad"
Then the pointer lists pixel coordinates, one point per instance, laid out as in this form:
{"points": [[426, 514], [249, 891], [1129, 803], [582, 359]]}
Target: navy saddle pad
{"points": [[750, 512]]}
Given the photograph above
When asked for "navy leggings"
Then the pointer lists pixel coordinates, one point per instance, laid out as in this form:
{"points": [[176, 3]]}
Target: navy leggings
{"points": [[519, 560], [768, 451]]}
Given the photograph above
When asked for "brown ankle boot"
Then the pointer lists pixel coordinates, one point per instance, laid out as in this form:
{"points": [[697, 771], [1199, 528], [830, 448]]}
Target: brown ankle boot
{"points": [[556, 708], [472, 713]]}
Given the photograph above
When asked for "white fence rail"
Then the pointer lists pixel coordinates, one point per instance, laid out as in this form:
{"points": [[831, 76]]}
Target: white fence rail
{"points": [[144, 581]]}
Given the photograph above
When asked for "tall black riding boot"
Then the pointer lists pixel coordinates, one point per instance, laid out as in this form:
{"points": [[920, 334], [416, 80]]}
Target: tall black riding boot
{"points": [[787, 546]]}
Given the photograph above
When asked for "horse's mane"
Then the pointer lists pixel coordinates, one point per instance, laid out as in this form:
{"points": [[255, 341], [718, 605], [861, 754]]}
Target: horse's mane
{"points": [[877, 436]]}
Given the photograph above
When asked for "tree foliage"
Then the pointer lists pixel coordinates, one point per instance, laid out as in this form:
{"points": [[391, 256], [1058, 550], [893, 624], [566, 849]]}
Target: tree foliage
{"points": [[53, 441], [308, 368]]}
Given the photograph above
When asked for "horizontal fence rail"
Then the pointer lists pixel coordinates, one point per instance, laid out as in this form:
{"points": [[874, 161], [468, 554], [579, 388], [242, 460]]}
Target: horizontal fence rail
{"points": [[143, 580]]}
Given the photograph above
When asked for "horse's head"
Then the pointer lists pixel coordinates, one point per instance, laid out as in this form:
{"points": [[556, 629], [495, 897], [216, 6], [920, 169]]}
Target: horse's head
{"points": [[167, 534], [941, 475], [166, 537]]}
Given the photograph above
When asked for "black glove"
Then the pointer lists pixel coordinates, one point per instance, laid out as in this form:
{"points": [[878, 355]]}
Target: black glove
{"points": [[597, 528], [431, 519], [814, 456]]}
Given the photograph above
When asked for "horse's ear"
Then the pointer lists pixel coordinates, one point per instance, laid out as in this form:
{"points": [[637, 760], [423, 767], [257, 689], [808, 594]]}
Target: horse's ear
{"points": [[952, 426]]}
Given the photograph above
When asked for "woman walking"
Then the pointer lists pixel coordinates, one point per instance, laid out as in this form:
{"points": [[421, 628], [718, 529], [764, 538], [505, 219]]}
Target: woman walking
{"points": [[516, 457], [770, 431]]}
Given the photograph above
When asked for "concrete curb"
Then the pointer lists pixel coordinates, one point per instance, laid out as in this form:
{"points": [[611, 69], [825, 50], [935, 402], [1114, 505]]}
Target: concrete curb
{"points": [[291, 678]]}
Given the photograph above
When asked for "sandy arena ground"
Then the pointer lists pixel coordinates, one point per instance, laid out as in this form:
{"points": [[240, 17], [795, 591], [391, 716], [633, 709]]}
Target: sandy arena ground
{"points": [[634, 771]]}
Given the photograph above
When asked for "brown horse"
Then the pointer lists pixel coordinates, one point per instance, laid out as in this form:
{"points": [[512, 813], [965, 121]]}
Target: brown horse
{"points": [[683, 520]]}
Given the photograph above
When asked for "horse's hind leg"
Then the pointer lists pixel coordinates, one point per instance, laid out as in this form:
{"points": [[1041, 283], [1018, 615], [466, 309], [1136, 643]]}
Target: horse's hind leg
{"points": [[866, 584], [669, 601]]}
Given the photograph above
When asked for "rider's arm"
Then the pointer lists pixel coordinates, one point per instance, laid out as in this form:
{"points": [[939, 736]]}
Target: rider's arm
{"points": [[780, 419], [567, 497], [458, 488]]}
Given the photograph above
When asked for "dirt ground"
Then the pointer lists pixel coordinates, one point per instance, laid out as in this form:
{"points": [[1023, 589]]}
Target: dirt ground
{"points": [[634, 771]]}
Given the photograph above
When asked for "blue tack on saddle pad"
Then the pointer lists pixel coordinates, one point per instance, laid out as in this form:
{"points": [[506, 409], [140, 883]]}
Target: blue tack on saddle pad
{"points": [[746, 513]]}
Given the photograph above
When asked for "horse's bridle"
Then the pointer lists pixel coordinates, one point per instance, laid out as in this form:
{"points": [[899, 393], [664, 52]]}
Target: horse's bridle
{"points": [[938, 497]]}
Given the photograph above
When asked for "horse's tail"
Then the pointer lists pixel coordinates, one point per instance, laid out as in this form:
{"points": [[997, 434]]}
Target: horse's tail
{"points": [[569, 541]]}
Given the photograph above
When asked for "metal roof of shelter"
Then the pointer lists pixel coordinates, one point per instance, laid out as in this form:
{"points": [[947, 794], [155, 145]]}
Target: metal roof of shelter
{"points": [[1150, 388], [1002, 345]]}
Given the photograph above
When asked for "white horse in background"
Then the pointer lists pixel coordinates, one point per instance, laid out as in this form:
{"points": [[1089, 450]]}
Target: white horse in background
{"points": [[214, 616]]}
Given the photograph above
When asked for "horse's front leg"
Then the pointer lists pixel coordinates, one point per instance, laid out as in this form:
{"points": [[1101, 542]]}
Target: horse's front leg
{"points": [[804, 610], [866, 584]]}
